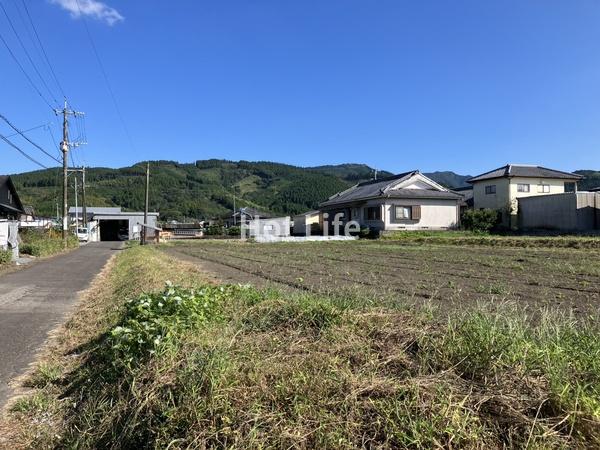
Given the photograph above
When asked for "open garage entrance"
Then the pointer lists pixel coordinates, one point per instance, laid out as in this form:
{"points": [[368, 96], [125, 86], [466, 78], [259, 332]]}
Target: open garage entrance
{"points": [[114, 230]]}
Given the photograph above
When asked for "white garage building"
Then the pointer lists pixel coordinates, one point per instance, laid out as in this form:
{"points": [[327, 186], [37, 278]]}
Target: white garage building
{"points": [[112, 224]]}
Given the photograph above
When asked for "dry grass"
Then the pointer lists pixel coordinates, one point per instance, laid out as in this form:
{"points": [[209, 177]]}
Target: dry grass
{"points": [[123, 277], [276, 370]]}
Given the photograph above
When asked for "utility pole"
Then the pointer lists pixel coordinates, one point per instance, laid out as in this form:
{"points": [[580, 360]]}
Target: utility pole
{"points": [[76, 207], [64, 148], [82, 171], [144, 226], [83, 206], [234, 218]]}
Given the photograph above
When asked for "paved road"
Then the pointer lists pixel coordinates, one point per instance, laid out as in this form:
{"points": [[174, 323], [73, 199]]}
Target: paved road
{"points": [[37, 298]]}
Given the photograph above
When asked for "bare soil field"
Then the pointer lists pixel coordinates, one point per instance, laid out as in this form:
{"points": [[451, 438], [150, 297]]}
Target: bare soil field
{"points": [[386, 271]]}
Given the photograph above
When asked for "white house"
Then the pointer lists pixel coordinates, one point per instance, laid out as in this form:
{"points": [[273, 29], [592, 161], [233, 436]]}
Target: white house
{"points": [[408, 201]]}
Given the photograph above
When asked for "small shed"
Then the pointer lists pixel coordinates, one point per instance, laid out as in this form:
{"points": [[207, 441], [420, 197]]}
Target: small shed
{"points": [[306, 224]]}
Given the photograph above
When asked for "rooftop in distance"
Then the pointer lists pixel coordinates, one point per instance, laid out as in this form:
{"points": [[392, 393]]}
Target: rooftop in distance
{"points": [[525, 170]]}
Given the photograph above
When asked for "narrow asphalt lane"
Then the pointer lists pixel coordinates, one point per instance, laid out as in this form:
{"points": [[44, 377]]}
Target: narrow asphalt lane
{"points": [[36, 299]]}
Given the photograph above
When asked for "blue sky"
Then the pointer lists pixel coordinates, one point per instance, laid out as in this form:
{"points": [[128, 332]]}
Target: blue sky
{"points": [[433, 85]]}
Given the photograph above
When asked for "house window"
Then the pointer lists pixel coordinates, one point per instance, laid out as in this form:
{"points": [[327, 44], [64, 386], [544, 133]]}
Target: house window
{"points": [[10, 198], [543, 188], [521, 187], [403, 212], [491, 189], [373, 213]]}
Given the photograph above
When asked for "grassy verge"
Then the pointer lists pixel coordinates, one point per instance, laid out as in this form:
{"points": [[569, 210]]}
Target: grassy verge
{"points": [[462, 238], [192, 365], [45, 243], [5, 257]]}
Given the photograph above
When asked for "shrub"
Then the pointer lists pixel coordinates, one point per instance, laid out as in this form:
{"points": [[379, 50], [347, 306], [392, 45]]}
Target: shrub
{"points": [[152, 319], [5, 257], [234, 231], [214, 230], [480, 220]]}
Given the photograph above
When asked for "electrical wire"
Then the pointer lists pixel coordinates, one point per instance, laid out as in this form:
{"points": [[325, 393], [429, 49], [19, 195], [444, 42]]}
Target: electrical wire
{"points": [[108, 85], [27, 130], [43, 50], [27, 139], [55, 142], [24, 72], [22, 152], [27, 53]]}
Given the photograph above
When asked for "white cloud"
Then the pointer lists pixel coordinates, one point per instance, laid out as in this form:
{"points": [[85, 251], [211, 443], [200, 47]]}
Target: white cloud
{"points": [[92, 8]]}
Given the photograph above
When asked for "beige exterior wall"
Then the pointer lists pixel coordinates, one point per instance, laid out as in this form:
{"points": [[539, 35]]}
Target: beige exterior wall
{"points": [[556, 187], [505, 198], [498, 200], [436, 214], [439, 214]]}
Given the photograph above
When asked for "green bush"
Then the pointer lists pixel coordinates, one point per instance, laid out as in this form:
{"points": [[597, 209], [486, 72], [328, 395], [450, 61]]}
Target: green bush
{"points": [[214, 230], [5, 257], [234, 231], [152, 319], [480, 220]]}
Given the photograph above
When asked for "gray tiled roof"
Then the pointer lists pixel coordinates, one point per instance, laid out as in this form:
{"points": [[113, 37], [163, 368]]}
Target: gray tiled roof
{"points": [[521, 170], [376, 188], [421, 193]]}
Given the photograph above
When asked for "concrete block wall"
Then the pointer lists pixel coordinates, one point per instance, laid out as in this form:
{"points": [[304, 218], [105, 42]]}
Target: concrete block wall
{"points": [[571, 211]]}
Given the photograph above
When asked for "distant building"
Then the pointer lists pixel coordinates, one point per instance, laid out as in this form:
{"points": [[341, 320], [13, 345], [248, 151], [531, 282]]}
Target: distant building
{"points": [[307, 223], [274, 227], [501, 188], [184, 230], [467, 198], [244, 216], [408, 201], [29, 220], [112, 224]]}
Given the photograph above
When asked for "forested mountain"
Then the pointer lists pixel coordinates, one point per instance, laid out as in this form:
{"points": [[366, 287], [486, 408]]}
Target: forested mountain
{"points": [[449, 179], [591, 180], [198, 190]]}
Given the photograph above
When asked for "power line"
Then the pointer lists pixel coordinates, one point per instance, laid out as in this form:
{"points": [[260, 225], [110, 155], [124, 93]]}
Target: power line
{"points": [[24, 72], [43, 49], [54, 140], [28, 130], [27, 139], [27, 53], [22, 152], [110, 90]]}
